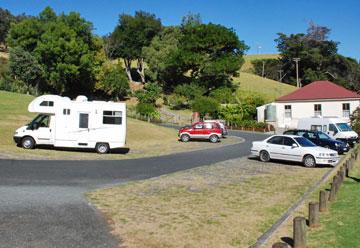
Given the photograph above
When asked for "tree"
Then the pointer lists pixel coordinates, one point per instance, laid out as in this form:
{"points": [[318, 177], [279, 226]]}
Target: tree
{"points": [[130, 36], [209, 54], [149, 94], [6, 18], [205, 105], [25, 67], [65, 48], [115, 83]]}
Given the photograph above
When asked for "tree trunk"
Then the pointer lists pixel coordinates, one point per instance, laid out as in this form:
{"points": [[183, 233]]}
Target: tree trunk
{"points": [[140, 69], [127, 63]]}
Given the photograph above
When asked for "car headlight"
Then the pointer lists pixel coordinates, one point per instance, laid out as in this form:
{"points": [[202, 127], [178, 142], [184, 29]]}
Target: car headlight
{"points": [[324, 154]]}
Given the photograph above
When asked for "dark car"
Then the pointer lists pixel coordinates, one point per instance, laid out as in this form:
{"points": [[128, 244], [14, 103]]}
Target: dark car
{"points": [[321, 139]]}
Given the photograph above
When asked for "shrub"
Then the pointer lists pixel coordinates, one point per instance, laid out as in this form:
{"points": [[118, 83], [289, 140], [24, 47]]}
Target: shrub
{"points": [[148, 110], [355, 120], [116, 83], [223, 95], [176, 101], [205, 105], [149, 94], [190, 91]]}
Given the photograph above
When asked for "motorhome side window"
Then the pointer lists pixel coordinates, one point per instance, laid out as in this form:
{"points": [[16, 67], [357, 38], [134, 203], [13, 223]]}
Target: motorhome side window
{"points": [[66, 111], [47, 103], [83, 120], [112, 117], [317, 109], [346, 110], [332, 128]]}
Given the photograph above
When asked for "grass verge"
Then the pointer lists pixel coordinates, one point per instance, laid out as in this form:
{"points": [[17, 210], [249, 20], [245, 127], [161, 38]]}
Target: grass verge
{"points": [[340, 225], [229, 204], [144, 139]]}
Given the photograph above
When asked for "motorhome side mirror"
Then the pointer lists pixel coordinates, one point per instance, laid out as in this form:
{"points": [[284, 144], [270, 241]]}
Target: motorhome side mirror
{"points": [[294, 145]]}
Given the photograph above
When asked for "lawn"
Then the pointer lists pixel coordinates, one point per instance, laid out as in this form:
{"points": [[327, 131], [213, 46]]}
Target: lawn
{"points": [[340, 226], [228, 204], [144, 139], [269, 89]]}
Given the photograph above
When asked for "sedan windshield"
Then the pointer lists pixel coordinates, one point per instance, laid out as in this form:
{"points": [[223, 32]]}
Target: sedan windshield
{"points": [[304, 142], [343, 127]]}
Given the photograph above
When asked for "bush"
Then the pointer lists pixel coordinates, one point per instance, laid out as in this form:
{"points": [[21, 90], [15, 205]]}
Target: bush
{"points": [[149, 94], [355, 120], [190, 91], [148, 110], [223, 95], [176, 101], [116, 83], [205, 105]]}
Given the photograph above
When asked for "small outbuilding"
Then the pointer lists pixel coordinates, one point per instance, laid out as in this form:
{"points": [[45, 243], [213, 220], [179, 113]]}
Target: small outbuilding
{"points": [[318, 99]]}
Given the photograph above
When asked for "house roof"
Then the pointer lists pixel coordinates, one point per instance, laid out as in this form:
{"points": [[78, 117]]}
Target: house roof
{"points": [[319, 90]]}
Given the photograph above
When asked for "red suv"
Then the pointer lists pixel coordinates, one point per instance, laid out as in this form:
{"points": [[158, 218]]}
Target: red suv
{"points": [[201, 130]]}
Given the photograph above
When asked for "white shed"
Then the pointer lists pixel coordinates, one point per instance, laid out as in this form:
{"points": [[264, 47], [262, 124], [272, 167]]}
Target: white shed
{"points": [[320, 98]]}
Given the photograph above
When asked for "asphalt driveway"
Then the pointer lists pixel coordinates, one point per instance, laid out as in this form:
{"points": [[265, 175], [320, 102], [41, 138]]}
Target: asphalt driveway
{"points": [[42, 202]]}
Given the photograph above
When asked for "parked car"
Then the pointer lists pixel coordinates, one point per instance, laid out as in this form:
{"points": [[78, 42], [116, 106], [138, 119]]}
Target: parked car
{"points": [[201, 130], [221, 124], [321, 139], [293, 148]]}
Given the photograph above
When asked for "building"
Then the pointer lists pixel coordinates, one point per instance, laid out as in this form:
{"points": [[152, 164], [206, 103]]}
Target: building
{"points": [[320, 98]]}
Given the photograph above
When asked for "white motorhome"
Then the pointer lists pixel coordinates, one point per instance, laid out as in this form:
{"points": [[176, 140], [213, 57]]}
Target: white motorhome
{"points": [[337, 128], [80, 123]]}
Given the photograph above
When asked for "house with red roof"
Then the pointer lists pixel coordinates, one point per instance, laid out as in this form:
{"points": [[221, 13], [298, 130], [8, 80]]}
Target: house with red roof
{"points": [[318, 99]]}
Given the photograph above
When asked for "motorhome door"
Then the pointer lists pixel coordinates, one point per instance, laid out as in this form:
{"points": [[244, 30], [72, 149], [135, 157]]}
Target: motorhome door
{"points": [[45, 130], [83, 131]]}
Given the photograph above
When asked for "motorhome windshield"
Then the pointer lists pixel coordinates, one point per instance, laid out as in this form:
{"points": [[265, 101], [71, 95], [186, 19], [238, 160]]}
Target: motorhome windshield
{"points": [[344, 127]]}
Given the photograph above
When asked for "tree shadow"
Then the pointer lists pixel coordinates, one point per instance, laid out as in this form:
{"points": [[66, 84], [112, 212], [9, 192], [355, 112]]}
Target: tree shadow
{"points": [[288, 241], [355, 179]]}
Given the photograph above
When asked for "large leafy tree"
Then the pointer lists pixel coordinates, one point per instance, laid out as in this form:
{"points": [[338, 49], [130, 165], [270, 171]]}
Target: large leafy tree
{"points": [[130, 36], [6, 18], [65, 48]]}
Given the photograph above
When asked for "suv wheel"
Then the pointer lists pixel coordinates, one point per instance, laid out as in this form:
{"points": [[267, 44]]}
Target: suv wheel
{"points": [[28, 143], [185, 138], [264, 156], [214, 138], [309, 161], [102, 148]]}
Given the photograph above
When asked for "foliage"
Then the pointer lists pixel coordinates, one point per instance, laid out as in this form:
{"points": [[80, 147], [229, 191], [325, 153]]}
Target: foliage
{"points": [[65, 48], [231, 113], [176, 101], [25, 67], [147, 109], [149, 94], [6, 18], [205, 105], [4, 67], [130, 36], [223, 95], [115, 83], [271, 68], [355, 120], [189, 91]]}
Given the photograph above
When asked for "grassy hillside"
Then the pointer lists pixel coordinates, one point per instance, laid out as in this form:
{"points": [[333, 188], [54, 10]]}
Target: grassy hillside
{"points": [[144, 139], [269, 89], [247, 67]]}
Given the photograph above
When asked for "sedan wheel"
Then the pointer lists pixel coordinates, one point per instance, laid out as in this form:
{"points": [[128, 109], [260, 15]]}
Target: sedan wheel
{"points": [[309, 161], [264, 156]]}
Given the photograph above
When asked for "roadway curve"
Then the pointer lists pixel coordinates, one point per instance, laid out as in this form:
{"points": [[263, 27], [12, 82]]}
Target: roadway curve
{"points": [[42, 202]]}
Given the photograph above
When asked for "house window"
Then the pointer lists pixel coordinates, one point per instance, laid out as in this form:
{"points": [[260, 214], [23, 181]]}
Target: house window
{"points": [[112, 117], [47, 103], [287, 111], [346, 110], [66, 111], [83, 120], [317, 109]]}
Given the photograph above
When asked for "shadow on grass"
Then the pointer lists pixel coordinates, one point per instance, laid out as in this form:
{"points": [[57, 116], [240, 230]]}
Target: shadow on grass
{"points": [[355, 179], [274, 161], [123, 150], [288, 241]]}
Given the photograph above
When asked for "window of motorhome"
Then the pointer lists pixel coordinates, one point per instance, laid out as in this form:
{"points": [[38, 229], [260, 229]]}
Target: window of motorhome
{"points": [[343, 127], [112, 117], [332, 128], [324, 128], [47, 103], [346, 110], [316, 128], [317, 109], [287, 111], [83, 120], [66, 111]]}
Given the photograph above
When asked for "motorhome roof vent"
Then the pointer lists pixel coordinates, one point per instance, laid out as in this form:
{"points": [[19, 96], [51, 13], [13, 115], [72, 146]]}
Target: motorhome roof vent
{"points": [[81, 99]]}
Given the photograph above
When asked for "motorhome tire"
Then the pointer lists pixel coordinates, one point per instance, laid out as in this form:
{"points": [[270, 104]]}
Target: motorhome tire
{"points": [[102, 148], [28, 143]]}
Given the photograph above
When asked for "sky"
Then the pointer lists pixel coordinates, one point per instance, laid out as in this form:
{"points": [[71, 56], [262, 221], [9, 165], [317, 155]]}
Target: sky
{"points": [[256, 22]]}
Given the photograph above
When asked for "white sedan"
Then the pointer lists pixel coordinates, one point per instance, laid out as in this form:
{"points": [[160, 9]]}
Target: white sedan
{"points": [[293, 148]]}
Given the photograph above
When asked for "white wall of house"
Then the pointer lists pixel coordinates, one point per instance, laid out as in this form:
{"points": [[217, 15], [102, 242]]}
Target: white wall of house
{"points": [[306, 109]]}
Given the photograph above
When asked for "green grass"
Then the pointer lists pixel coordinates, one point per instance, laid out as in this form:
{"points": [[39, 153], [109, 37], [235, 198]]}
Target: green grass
{"points": [[269, 89], [340, 226], [247, 66]]}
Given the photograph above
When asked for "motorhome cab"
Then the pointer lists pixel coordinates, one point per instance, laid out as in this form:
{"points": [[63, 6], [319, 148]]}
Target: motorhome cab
{"points": [[80, 123], [337, 128]]}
